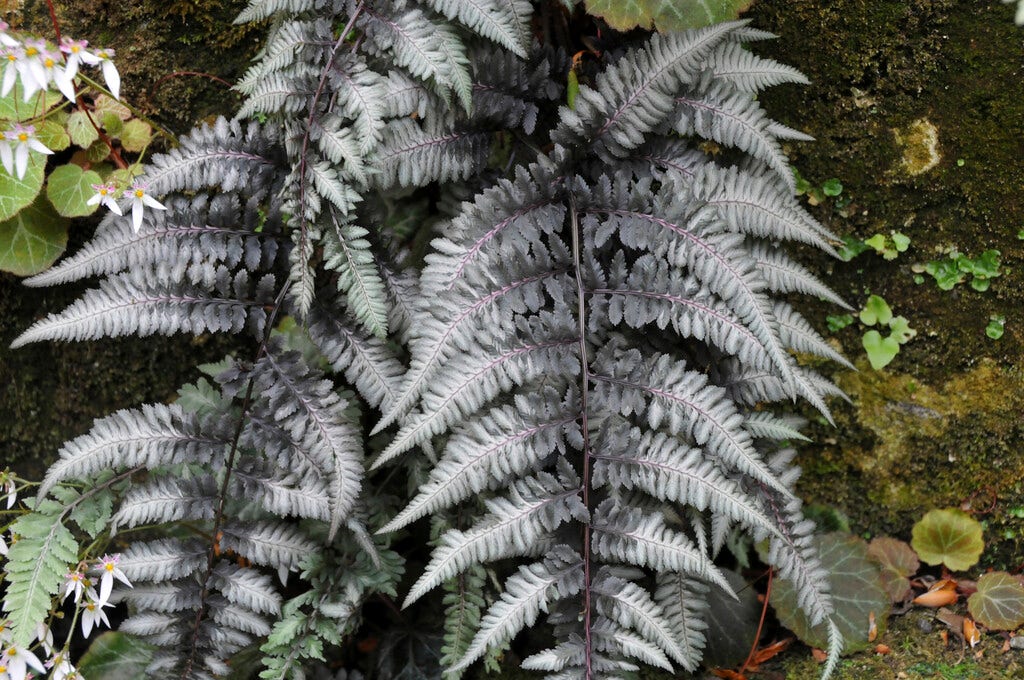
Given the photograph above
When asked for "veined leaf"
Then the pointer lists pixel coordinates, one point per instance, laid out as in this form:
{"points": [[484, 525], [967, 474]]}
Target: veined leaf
{"points": [[950, 537], [665, 15], [999, 601]]}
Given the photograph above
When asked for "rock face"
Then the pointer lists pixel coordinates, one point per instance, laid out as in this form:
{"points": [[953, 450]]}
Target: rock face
{"points": [[918, 109]]}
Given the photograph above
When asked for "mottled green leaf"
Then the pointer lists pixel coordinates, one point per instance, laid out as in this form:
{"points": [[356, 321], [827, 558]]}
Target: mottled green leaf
{"points": [[81, 129], [857, 594], [16, 193], [105, 104], [68, 189], [52, 135], [898, 562], [13, 107], [135, 135], [97, 152], [112, 123], [116, 656], [999, 601], [665, 15], [950, 537], [33, 239]]}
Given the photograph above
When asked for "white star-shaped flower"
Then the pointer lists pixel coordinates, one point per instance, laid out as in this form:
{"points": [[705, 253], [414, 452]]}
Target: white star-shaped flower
{"points": [[140, 201], [105, 196], [93, 615], [109, 571], [15, 662], [14, 151]]}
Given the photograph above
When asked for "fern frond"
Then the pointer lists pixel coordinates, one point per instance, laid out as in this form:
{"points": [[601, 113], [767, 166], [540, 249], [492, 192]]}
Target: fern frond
{"points": [[716, 111], [348, 253], [783, 275], [147, 437], [267, 543], [506, 441], [125, 305], [262, 9], [428, 50], [164, 500], [747, 72], [314, 416], [414, 155], [636, 95], [684, 603], [631, 606], [506, 22], [626, 536], [527, 593], [534, 507], [35, 568]]}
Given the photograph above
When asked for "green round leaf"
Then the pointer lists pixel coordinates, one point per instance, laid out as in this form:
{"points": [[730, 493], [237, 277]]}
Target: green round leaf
{"points": [[876, 310], [97, 152], [111, 122], [68, 189], [16, 193], [81, 129], [135, 135], [832, 187], [53, 135], [857, 593], [999, 602], [14, 108], [33, 239], [881, 351], [665, 15], [950, 537], [898, 562]]}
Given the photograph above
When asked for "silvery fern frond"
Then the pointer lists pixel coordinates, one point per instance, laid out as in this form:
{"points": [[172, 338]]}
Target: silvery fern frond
{"points": [[529, 356]]}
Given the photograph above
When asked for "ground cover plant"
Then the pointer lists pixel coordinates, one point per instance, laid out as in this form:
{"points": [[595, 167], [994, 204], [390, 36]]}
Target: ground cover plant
{"points": [[512, 281]]}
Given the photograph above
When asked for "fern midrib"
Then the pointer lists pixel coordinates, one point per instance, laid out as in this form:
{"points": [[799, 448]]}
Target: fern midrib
{"points": [[581, 331]]}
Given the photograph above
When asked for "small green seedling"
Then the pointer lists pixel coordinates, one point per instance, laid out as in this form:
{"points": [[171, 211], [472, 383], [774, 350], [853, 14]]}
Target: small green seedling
{"points": [[889, 246], [837, 322], [882, 350], [958, 268], [830, 188], [996, 326], [1020, 234], [851, 248]]}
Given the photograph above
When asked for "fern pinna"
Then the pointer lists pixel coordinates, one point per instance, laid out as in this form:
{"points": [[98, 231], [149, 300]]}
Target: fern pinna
{"points": [[584, 359]]}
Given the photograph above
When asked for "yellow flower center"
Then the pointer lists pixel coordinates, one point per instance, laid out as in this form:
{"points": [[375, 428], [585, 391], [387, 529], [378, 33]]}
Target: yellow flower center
{"points": [[90, 606], [49, 62], [139, 193], [103, 192], [12, 57], [110, 565], [31, 51], [75, 49], [22, 137]]}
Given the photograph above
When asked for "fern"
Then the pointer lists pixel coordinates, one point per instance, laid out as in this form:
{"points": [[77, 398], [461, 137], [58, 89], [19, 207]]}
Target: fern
{"points": [[576, 375]]}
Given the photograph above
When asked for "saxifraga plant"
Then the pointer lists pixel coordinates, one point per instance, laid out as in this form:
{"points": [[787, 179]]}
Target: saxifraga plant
{"points": [[575, 379]]}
